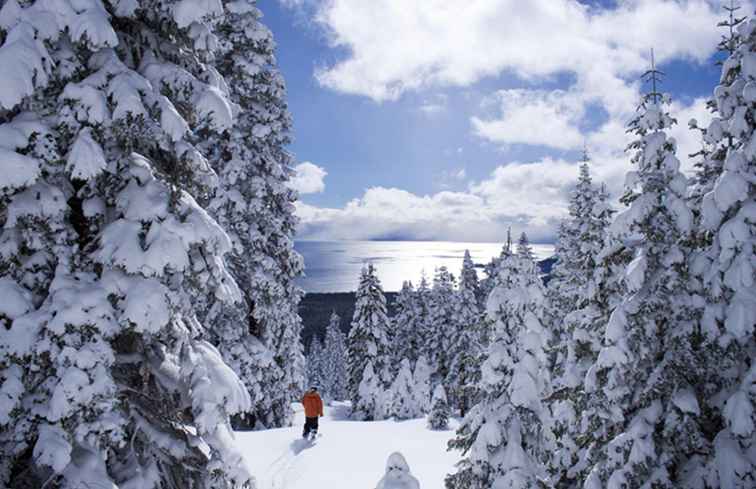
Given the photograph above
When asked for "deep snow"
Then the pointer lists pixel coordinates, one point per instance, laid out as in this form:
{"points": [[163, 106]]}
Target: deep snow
{"points": [[348, 454]]}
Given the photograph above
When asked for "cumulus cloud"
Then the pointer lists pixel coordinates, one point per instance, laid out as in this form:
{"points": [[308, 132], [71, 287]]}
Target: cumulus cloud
{"points": [[535, 117], [399, 46], [308, 178], [395, 47], [529, 196], [525, 196]]}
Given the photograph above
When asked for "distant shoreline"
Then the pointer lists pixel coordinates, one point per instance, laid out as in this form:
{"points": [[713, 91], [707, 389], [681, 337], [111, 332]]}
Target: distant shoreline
{"points": [[316, 307]]}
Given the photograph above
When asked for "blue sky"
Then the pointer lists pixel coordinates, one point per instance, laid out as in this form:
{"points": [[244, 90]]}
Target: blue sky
{"points": [[427, 120]]}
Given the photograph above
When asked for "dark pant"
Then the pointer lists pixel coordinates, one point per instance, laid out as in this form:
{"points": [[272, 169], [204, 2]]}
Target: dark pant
{"points": [[311, 424]]}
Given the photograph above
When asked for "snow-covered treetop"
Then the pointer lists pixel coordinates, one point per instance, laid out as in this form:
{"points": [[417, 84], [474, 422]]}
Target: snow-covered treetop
{"points": [[368, 340], [524, 250], [468, 277], [370, 286]]}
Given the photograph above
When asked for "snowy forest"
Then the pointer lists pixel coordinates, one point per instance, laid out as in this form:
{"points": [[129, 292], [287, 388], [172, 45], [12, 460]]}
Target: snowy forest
{"points": [[148, 300], [146, 245]]}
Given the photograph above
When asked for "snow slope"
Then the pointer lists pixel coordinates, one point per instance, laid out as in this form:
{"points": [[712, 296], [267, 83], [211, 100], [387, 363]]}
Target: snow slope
{"points": [[348, 455]]}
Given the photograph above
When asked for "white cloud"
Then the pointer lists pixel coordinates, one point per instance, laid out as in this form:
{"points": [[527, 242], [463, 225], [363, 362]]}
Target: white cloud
{"points": [[431, 108], [534, 117], [525, 196], [689, 142], [529, 197], [308, 178], [399, 46], [293, 4], [609, 161], [394, 47], [434, 105]]}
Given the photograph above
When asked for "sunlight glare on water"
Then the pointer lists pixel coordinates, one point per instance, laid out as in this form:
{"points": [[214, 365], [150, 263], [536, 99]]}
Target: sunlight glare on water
{"points": [[334, 266]]}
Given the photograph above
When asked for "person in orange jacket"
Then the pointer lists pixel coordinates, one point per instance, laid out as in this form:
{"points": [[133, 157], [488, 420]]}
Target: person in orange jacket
{"points": [[313, 408]]}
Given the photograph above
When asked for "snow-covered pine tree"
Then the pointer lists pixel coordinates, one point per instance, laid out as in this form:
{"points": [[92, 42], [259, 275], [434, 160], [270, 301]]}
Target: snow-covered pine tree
{"points": [[491, 269], [580, 304], [441, 330], [421, 379], [524, 250], [468, 277], [724, 265], [370, 396], [715, 137], [402, 398], [422, 321], [574, 264], [367, 341], [501, 436], [315, 360], [582, 422], [647, 370], [438, 418], [406, 322], [334, 366], [254, 204], [106, 380], [466, 353]]}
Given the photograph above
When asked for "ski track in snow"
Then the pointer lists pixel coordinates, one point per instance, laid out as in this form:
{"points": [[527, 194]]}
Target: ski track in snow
{"points": [[283, 471], [347, 454]]}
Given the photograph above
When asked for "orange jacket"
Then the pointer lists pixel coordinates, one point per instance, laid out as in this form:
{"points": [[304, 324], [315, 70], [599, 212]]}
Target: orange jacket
{"points": [[313, 405]]}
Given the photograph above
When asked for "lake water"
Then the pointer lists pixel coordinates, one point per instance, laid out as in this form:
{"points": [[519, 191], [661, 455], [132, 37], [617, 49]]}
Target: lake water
{"points": [[334, 266]]}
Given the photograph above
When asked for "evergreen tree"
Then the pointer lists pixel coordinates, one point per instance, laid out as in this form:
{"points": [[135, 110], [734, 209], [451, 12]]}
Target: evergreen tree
{"points": [[370, 396], [501, 436], [316, 366], [716, 139], [580, 303], [421, 391], [253, 203], [402, 399], [438, 419], [723, 266], [423, 326], [335, 367], [407, 341], [441, 328], [524, 250], [468, 277], [106, 250], [368, 341], [578, 243], [466, 351], [491, 269], [577, 440], [647, 368]]}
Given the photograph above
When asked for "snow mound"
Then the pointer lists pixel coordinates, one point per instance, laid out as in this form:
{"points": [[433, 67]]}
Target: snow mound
{"points": [[398, 474]]}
